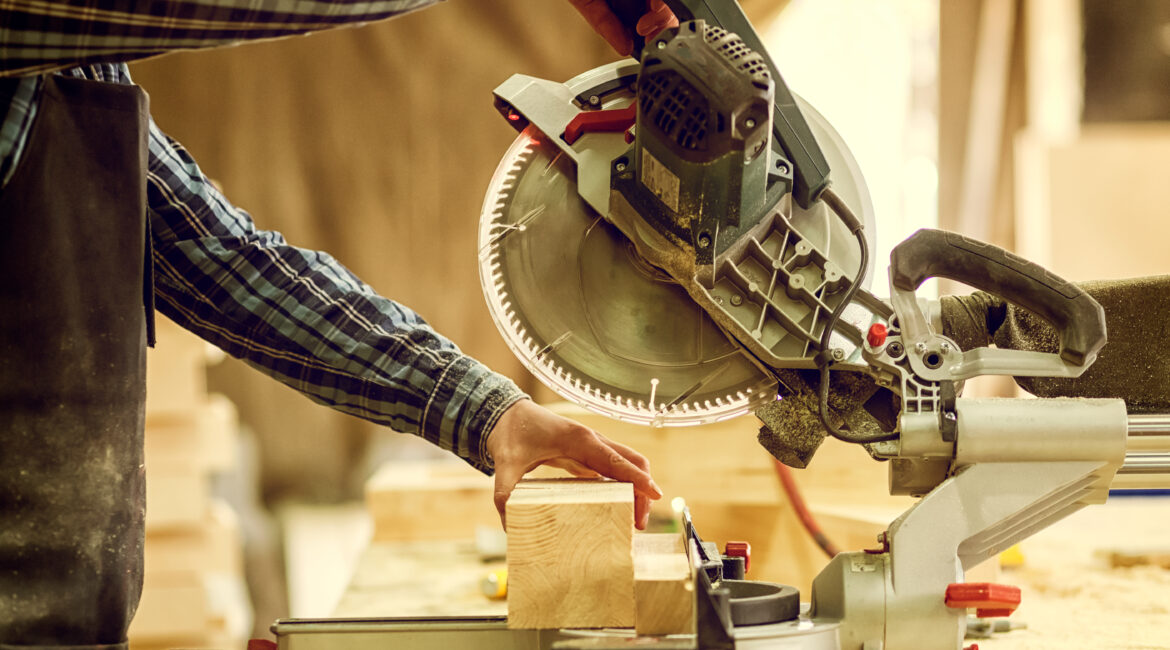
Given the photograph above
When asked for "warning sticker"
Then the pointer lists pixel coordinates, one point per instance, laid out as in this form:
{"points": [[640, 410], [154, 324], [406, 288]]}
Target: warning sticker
{"points": [[660, 180]]}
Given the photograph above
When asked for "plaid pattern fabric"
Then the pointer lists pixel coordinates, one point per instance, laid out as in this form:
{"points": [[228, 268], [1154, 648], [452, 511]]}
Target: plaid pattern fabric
{"points": [[295, 314], [39, 36]]}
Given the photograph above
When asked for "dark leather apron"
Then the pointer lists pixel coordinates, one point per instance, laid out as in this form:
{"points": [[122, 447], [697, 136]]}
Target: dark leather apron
{"points": [[72, 370]]}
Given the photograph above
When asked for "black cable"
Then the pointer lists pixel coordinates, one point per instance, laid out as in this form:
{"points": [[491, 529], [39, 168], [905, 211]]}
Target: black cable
{"points": [[857, 227]]}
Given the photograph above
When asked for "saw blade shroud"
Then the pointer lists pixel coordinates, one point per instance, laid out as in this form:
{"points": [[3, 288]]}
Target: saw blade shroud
{"points": [[593, 320]]}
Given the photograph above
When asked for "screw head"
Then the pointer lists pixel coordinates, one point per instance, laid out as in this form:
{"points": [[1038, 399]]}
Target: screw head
{"points": [[838, 354], [920, 347], [737, 300], [749, 123], [621, 167], [704, 240]]}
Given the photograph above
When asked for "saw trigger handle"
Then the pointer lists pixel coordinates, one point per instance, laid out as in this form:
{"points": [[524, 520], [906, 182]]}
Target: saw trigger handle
{"points": [[1079, 319]]}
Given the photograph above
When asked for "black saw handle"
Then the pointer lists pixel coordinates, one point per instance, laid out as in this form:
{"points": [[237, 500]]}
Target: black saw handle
{"points": [[1077, 317]]}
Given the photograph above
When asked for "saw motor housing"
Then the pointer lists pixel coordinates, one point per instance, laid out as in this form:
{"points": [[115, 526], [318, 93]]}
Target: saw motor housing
{"points": [[699, 170]]}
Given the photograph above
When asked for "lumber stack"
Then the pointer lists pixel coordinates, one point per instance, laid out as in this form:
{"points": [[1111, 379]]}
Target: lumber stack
{"points": [[193, 589]]}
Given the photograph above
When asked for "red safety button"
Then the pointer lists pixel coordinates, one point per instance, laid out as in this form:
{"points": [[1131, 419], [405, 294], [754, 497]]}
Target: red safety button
{"points": [[988, 599], [877, 335], [740, 549]]}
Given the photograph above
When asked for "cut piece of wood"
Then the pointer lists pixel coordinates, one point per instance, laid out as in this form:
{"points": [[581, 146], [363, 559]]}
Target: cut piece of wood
{"points": [[570, 554], [664, 592]]}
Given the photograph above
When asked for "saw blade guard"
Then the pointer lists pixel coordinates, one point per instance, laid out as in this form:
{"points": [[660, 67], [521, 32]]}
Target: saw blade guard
{"points": [[583, 310]]}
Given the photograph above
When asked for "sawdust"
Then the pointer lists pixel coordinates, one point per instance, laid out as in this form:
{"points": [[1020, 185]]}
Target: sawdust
{"points": [[1134, 365], [1072, 598]]}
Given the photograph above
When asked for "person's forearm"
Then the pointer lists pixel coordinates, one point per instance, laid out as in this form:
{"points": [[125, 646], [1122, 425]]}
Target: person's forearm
{"points": [[44, 35], [303, 318]]}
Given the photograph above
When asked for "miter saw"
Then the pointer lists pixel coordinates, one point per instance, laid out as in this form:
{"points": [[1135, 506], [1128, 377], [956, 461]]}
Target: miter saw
{"points": [[664, 244]]}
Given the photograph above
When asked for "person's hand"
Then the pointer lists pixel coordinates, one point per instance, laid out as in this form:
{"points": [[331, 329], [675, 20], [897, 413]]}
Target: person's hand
{"points": [[658, 17], [528, 435]]}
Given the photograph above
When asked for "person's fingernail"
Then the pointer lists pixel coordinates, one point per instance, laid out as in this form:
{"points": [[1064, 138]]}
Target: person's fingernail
{"points": [[656, 489]]}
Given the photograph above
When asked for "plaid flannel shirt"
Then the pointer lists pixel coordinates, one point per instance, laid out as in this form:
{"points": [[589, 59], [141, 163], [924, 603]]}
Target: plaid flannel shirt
{"points": [[295, 314]]}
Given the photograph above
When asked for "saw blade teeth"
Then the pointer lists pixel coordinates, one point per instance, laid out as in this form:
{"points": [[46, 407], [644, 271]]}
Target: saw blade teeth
{"points": [[532, 164]]}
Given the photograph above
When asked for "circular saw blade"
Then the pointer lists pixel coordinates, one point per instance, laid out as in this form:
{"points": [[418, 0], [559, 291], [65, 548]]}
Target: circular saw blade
{"points": [[591, 319]]}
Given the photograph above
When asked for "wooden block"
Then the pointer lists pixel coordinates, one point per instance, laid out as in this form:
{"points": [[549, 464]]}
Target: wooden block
{"points": [[176, 370], [570, 554], [428, 500], [202, 436], [176, 499], [664, 589], [170, 611], [213, 547]]}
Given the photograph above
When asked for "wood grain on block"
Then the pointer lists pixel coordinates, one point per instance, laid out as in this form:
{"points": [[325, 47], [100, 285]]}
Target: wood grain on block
{"points": [[203, 436], [664, 592], [429, 500], [570, 554]]}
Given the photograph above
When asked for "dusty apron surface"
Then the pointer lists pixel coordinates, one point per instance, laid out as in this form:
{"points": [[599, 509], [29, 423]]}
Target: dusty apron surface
{"points": [[72, 362]]}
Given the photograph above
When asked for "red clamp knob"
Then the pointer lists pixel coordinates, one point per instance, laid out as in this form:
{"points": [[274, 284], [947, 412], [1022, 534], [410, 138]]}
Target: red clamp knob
{"points": [[988, 599], [615, 120], [740, 549], [876, 335]]}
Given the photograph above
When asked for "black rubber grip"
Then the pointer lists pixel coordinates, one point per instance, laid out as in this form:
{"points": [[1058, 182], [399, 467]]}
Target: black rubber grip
{"points": [[628, 12], [1077, 317]]}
